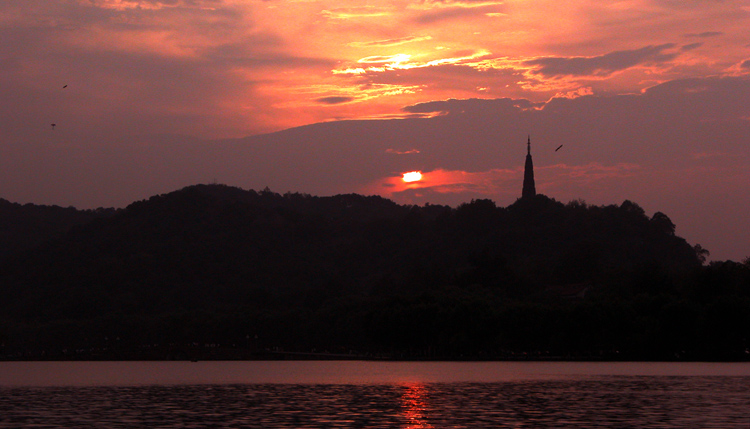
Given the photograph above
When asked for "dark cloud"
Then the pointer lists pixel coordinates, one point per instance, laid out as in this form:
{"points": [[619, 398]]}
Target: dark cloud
{"points": [[450, 13], [454, 106], [691, 46], [334, 100], [156, 4], [209, 16], [602, 65], [705, 34], [745, 64], [241, 56]]}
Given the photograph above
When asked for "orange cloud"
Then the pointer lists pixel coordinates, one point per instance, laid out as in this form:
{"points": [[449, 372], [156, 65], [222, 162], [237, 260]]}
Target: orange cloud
{"points": [[504, 184], [401, 152], [269, 60], [347, 13], [441, 181], [389, 42]]}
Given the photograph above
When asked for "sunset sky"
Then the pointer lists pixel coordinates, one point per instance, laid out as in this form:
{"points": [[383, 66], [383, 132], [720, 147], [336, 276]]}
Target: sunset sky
{"points": [[650, 100]]}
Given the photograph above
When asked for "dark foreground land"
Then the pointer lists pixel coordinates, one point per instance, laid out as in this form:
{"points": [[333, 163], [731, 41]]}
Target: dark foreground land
{"points": [[215, 272]]}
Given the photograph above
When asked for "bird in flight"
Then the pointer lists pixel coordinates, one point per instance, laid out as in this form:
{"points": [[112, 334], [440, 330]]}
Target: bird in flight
{"points": [[558, 148], [65, 86], [53, 126]]}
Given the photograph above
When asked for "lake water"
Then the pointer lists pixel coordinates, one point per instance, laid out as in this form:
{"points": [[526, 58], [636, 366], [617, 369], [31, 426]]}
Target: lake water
{"points": [[306, 394]]}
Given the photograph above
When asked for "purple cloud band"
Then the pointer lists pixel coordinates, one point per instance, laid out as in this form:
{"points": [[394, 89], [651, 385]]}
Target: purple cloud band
{"points": [[602, 65]]}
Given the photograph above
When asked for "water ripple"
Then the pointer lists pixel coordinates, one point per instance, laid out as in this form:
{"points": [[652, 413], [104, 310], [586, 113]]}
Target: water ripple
{"points": [[595, 402]]}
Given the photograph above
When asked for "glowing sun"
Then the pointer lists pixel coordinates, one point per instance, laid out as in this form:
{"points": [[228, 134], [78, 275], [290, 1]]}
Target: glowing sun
{"points": [[413, 176]]}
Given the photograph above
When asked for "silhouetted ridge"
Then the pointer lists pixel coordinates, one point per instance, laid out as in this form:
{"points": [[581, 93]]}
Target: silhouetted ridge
{"points": [[218, 264], [23, 227]]}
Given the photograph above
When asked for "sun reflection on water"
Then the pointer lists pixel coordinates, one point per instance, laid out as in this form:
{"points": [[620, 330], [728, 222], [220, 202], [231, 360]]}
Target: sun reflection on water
{"points": [[414, 404]]}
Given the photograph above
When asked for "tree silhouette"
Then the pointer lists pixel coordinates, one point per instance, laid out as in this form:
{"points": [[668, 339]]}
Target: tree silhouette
{"points": [[213, 264]]}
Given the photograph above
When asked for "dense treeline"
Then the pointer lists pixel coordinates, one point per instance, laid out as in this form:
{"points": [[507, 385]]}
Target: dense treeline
{"points": [[213, 271], [26, 226]]}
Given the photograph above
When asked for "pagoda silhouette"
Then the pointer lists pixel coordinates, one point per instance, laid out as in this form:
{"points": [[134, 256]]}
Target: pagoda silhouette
{"points": [[529, 190]]}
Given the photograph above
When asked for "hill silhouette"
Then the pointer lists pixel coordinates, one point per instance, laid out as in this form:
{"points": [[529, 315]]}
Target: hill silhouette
{"points": [[26, 226], [212, 271]]}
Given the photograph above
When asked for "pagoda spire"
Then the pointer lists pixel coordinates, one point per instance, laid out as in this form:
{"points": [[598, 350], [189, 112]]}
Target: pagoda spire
{"points": [[529, 190]]}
